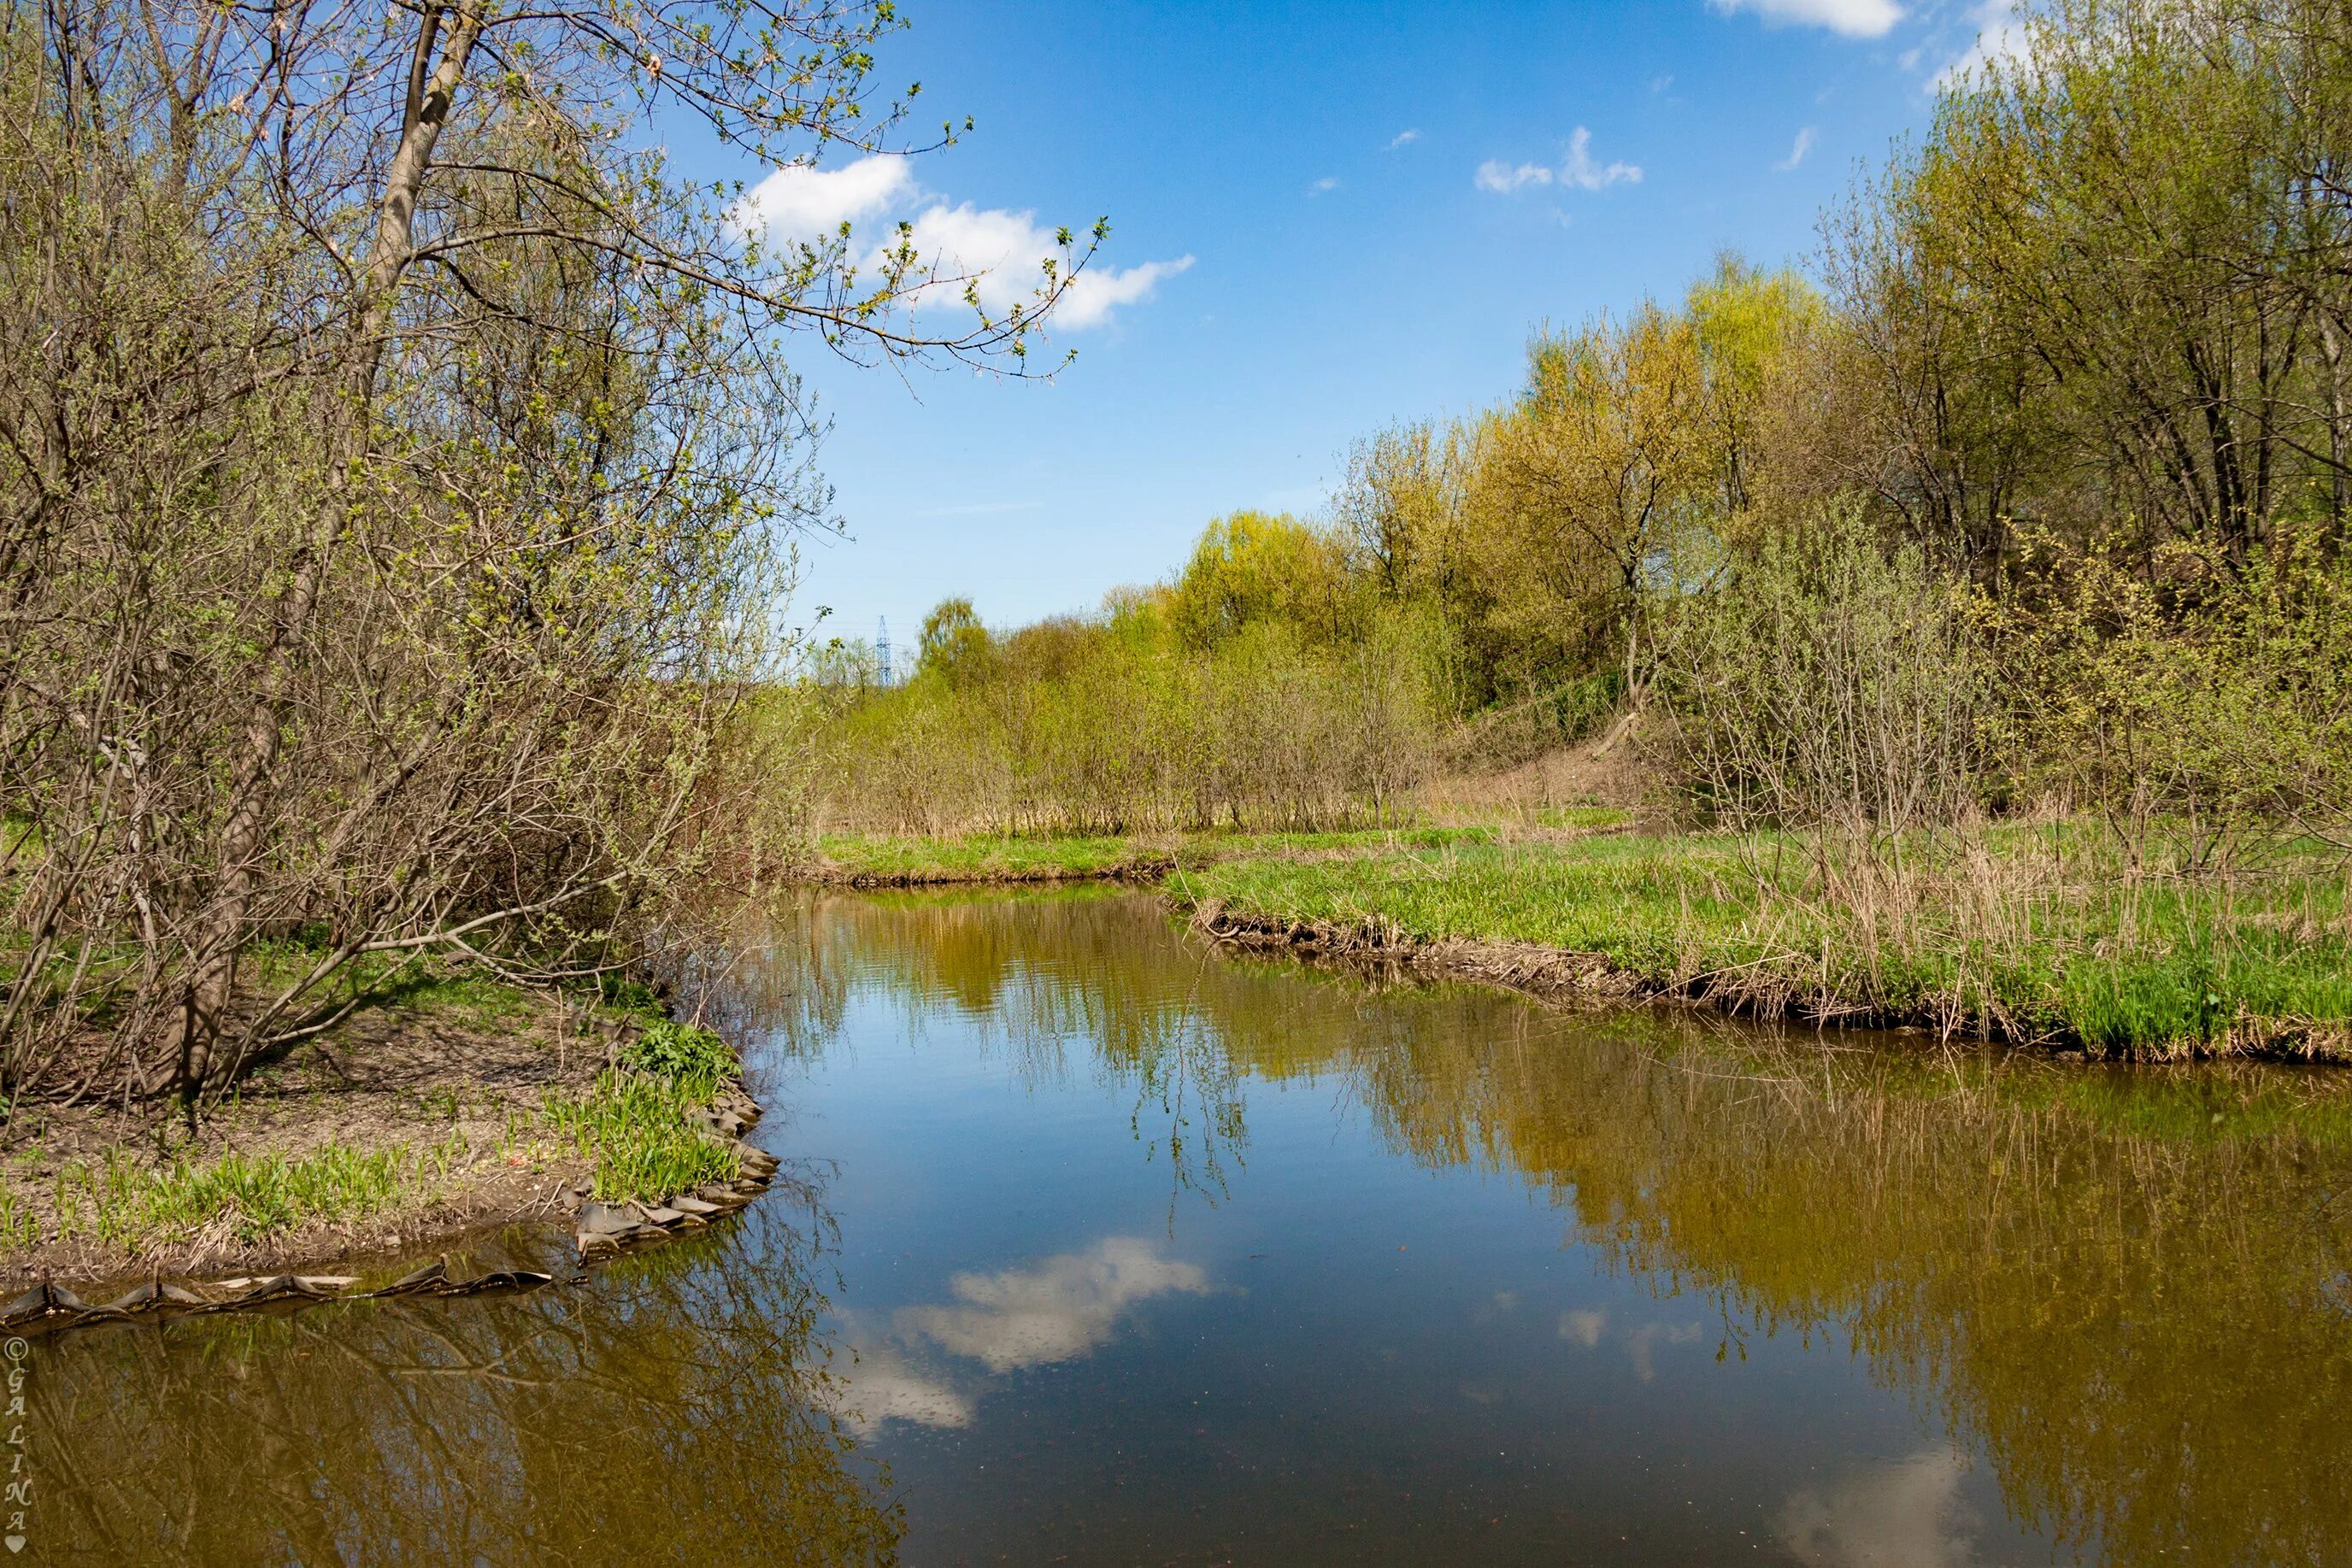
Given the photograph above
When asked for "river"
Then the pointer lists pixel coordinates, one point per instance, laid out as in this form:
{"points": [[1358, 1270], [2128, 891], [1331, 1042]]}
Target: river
{"points": [[1106, 1247]]}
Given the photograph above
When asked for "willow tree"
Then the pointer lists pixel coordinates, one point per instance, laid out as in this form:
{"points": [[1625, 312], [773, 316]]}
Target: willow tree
{"points": [[1592, 477], [397, 456]]}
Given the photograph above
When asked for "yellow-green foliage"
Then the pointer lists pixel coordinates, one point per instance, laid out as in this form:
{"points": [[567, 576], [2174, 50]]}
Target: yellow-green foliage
{"points": [[1126, 722], [1250, 569]]}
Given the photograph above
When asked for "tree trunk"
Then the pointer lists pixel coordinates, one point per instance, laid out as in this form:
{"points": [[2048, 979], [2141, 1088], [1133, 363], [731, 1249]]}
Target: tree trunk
{"points": [[221, 932]]}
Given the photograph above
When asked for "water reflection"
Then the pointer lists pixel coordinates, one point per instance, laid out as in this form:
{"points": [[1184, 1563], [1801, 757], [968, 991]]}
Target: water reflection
{"points": [[674, 1409], [1441, 1276], [1909, 1512], [2124, 1290], [1057, 1310]]}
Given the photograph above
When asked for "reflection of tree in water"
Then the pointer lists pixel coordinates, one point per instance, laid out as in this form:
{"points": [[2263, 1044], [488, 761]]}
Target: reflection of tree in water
{"points": [[1045, 980], [675, 1408], [2141, 1312]]}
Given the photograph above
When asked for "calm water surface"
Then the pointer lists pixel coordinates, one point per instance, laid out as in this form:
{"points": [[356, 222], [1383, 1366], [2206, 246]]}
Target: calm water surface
{"points": [[1115, 1251]]}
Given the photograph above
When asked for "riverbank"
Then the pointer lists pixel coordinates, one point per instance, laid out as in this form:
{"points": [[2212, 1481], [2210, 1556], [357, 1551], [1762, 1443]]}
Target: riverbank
{"points": [[456, 1103], [2047, 936], [885, 859], [2029, 936]]}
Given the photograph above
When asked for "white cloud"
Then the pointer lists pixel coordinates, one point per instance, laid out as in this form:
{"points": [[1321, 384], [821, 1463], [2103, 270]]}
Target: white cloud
{"points": [[1908, 1512], [1854, 19], [2001, 36], [1803, 144], [1328, 182], [1502, 179], [800, 202], [1661, 83], [1058, 1310], [1004, 252], [1403, 138], [1580, 169]]}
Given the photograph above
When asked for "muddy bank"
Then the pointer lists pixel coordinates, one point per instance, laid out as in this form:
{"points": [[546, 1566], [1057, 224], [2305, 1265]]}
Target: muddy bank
{"points": [[1551, 973]]}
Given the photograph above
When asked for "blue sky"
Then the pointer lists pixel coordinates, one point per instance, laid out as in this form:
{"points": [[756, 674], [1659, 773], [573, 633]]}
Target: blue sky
{"points": [[1326, 218]]}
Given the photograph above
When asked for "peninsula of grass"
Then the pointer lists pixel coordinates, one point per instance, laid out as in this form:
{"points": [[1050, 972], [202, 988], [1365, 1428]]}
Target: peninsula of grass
{"points": [[2035, 935], [446, 1102]]}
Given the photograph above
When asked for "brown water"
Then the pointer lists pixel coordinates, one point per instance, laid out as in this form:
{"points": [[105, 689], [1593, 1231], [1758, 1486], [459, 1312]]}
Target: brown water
{"points": [[1115, 1251]]}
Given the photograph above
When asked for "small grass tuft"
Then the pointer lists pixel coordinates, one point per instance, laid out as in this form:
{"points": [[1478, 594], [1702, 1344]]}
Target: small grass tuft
{"points": [[634, 1127], [693, 1057]]}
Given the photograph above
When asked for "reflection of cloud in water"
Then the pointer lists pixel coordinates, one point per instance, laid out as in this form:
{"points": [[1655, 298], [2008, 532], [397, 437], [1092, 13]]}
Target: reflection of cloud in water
{"points": [[1057, 1310], [885, 1385], [1907, 1514], [1584, 1328], [1641, 1339]]}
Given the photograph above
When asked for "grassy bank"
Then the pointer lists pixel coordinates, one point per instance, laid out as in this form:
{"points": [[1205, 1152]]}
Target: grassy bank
{"points": [[2037, 936], [885, 859], [454, 1101]]}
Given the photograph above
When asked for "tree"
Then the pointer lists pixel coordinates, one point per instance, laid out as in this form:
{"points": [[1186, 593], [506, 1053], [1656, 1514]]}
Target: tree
{"points": [[954, 645], [387, 439]]}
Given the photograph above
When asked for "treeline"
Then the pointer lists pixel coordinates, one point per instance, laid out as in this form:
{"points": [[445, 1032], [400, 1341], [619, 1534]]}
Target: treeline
{"points": [[398, 472], [2034, 490], [1262, 689]]}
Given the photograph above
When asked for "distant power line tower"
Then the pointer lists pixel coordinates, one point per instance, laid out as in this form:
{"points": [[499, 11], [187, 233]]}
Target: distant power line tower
{"points": [[882, 651]]}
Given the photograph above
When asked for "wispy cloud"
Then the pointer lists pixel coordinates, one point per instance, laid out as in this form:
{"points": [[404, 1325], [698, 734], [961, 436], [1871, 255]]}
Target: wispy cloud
{"points": [[1584, 1328], [1797, 150], [1328, 182], [1854, 19], [1580, 169], [1661, 83], [1402, 139], [1000, 251], [1502, 178]]}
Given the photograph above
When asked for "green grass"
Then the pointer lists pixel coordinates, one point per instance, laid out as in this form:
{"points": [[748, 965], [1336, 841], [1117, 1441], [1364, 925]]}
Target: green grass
{"points": [[634, 1127], [883, 857], [251, 1198], [1582, 818], [693, 1058], [2029, 934]]}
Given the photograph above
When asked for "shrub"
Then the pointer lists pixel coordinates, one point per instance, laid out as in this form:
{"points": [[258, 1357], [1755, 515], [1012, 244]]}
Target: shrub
{"points": [[1824, 678]]}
